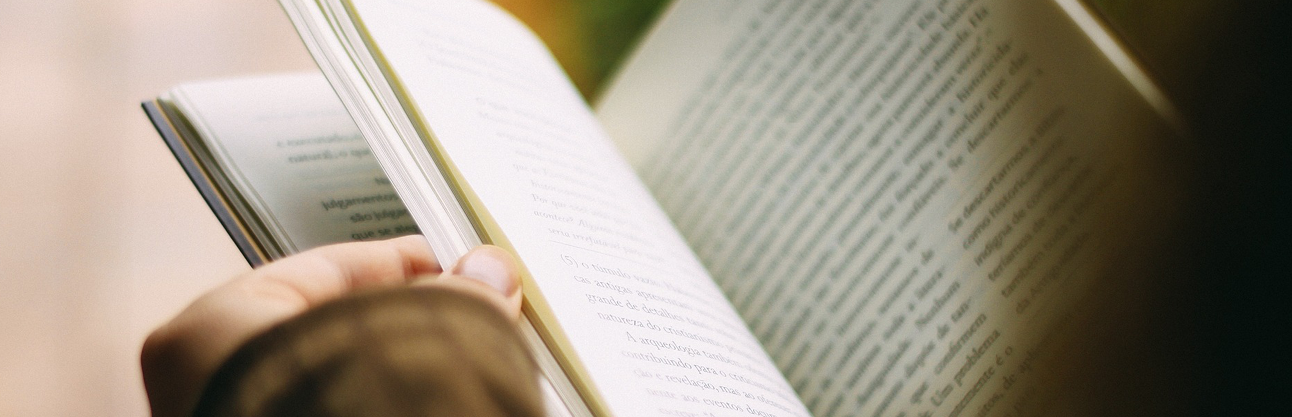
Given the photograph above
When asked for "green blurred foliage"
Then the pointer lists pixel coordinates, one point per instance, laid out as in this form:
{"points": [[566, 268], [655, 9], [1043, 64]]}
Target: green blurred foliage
{"points": [[609, 29]]}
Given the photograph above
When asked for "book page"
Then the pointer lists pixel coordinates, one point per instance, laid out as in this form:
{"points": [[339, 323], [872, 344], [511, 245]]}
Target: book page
{"points": [[906, 200], [639, 322], [294, 155]]}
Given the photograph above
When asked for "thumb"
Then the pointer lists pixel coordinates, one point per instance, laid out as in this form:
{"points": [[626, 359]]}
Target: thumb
{"points": [[486, 271]]}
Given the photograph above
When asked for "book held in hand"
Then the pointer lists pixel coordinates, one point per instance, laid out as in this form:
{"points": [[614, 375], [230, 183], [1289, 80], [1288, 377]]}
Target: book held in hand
{"points": [[780, 208]]}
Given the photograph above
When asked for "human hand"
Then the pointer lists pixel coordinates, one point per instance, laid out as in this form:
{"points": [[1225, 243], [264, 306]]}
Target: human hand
{"points": [[180, 356]]}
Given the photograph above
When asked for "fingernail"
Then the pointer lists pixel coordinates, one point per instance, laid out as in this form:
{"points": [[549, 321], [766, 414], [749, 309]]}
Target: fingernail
{"points": [[490, 265]]}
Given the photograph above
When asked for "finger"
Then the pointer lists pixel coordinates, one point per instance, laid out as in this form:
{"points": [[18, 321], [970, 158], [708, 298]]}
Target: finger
{"points": [[488, 272], [325, 273], [235, 311]]}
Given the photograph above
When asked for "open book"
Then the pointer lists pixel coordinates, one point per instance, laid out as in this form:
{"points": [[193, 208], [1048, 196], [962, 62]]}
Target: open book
{"points": [[830, 208]]}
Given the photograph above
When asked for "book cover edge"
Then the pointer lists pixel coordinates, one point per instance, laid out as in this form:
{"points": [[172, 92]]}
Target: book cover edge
{"points": [[205, 188]]}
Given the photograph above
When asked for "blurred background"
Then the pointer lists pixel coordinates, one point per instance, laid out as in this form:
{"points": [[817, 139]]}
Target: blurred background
{"points": [[104, 238]]}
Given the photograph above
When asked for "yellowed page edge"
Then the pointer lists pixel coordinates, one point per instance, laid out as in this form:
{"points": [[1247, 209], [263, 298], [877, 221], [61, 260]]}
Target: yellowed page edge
{"points": [[535, 305]]}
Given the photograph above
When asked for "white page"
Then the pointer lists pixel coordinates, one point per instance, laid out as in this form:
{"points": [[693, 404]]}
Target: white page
{"points": [[903, 198], [296, 157], [651, 330]]}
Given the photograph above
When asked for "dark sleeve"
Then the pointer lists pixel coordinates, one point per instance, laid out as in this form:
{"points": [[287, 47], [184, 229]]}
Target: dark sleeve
{"points": [[402, 352]]}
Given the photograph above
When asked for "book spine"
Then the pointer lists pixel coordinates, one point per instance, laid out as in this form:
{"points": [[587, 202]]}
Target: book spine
{"points": [[203, 184]]}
